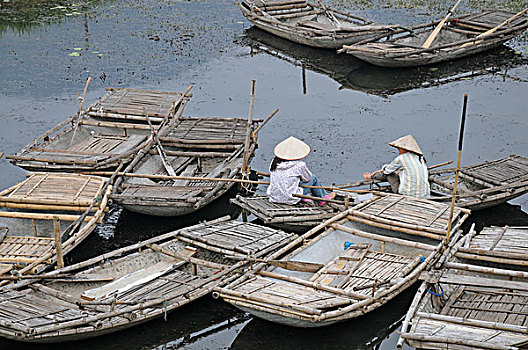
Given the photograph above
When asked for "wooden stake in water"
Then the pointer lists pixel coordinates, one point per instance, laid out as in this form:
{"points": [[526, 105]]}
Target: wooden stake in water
{"points": [[460, 138], [58, 242], [245, 159]]}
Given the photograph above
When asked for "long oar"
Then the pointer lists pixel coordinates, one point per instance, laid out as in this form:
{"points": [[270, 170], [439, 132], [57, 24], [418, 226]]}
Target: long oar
{"points": [[81, 100], [494, 29], [438, 28], [460, 138]]}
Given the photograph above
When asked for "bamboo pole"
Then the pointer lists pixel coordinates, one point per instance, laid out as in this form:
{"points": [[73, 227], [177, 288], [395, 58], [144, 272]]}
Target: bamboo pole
{"points": [[486, 270], [460, 139], [245, 158], [450, 343], [410, 313], [474, 322], [399, 241], [314, 285], [81, 100], [58, 243], [38, 216]]}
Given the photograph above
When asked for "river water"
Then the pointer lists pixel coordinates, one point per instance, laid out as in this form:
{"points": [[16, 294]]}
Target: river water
{"points": [[346, 110]]}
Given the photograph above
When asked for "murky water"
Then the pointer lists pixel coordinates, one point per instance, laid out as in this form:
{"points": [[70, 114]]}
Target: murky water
{"points": [[346, 110]]}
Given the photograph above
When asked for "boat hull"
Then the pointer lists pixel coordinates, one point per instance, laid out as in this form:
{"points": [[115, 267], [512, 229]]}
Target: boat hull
{"points": [[424, 60], [327, 42]]}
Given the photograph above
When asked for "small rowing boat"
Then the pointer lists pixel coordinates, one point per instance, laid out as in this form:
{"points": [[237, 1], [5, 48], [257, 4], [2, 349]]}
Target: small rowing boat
{"points": [[134, 284], [464, 36], [208, 148], [108, 133], [340, 274], [310, 24]]}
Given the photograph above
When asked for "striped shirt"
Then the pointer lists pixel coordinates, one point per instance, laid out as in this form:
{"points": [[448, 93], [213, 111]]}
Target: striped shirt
{"points": [[413, 174]]}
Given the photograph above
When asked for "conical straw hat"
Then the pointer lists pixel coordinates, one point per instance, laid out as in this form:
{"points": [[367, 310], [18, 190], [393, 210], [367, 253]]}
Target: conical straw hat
{"points": [[407, 143], [291, 149]]}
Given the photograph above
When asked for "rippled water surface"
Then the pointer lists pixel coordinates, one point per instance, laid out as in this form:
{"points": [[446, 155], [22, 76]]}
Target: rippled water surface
{"points": [[346, 110]]}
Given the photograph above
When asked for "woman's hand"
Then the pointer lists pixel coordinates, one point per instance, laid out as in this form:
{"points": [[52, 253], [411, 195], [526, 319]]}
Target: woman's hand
{"points": [[367, 176]]}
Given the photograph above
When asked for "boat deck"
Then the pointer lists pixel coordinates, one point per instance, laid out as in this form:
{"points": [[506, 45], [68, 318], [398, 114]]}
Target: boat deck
{"points": [[27, 224], [55, 188], [241, 237], [304, 215], [506, 171], [488, 19], [282, 9], [506, 245], [412, 215], [132, 104], [473, 316], [197, 131]]}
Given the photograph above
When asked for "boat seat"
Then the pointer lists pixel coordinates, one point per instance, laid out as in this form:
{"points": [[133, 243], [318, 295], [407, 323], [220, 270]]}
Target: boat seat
{"points": [[136, 278], [317, 25]]}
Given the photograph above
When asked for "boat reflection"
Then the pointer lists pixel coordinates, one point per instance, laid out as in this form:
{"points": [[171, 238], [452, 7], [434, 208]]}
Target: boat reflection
{"points": [[354, 74]]}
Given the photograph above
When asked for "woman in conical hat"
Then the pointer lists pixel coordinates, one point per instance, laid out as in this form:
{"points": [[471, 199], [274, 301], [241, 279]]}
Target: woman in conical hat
{"points": [[288, 172], [407, 174]]}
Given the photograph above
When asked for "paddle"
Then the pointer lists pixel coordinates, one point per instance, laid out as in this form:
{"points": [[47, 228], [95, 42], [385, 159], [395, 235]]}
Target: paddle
{"points": [[460, 138], [435, 32], [494, 29], [81, 100]]}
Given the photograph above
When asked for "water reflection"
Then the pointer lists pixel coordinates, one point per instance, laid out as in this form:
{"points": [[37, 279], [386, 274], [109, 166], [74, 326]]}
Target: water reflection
{"points": [[353, 74], [22, 16]]}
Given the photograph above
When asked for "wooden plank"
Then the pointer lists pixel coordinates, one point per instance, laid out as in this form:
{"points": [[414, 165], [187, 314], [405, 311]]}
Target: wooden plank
{"points": [[132, 279]]}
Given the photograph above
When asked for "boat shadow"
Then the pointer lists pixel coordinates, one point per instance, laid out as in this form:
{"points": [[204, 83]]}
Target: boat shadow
{"points": [[355, 74]]}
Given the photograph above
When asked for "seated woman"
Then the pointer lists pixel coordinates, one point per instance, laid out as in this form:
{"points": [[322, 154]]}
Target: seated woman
{"points": [[288, 172], [407, 174]]}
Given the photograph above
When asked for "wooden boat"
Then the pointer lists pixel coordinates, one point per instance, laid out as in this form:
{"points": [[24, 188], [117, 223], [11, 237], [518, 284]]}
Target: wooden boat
{"points": [[420, 216], [483, 185], [310, 24], [479, 297], [126, 287], [36, 228], [91, 141], [196, 148], [459, 38], [341, 274]]}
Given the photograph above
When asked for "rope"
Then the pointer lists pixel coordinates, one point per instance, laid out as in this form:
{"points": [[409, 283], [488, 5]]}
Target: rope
{"points": [[433, 293], [164, 309]]}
